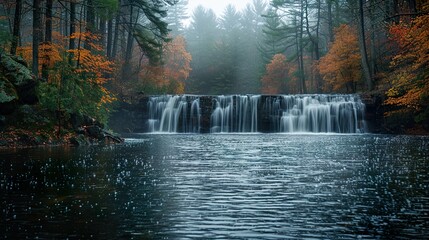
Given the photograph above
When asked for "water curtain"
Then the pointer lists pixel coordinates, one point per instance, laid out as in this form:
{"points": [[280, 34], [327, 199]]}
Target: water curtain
{"points": [[256, 113]]}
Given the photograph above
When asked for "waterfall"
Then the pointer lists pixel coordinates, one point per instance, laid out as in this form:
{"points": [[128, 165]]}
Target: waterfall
{"points": [[172, 114], [236, 113], [319, 113], [256, 113]]}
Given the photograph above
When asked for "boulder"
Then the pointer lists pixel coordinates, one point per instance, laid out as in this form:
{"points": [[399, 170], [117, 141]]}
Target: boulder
{"points": [[79, 140], [16, 72], [97, 134], [8, 96]]}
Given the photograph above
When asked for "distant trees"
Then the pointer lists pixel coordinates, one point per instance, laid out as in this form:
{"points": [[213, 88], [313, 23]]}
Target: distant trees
{"points": [[202, 37], [176, 15], [225, 50], [377, 45]]}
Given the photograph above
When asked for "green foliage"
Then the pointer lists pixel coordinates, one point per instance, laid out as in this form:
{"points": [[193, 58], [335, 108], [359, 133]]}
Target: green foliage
{"points": [[73, 94], [106, 8], [274, 34], [7, 91]]}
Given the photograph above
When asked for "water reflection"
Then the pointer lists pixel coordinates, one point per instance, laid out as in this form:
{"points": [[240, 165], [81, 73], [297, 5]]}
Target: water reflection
{"points": [[220, 186]]}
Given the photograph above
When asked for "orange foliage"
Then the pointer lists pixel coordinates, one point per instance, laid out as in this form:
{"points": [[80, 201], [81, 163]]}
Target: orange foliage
{"points": [[50, 53], [171, 75], [274, 81], [341, 66], [410, 76], [92, 65]]}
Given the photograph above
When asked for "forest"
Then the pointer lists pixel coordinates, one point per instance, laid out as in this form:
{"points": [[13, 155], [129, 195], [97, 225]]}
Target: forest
{"points": [[88, 55]]}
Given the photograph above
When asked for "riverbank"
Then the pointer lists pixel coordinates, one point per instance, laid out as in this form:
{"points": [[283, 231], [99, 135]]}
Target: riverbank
{"points": [[25, 122], [385, 119], [91, 135]]}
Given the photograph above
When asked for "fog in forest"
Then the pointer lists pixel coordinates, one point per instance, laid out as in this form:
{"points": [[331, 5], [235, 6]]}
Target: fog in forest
{"points": [[119, 49]]}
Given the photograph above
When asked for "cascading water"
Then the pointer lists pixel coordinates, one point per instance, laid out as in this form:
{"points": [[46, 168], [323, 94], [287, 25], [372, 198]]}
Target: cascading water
{"points": [[174, 114], [238, 113], [321, 114], [257, 113]]}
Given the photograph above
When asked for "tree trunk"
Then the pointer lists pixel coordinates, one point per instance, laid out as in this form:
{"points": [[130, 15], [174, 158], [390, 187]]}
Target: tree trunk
{"points": [[37, 24], [16, 27], [128, 53], [413, 6], [301, 51], [90, 22], [109, 38], [72, 30], [362, 47], [330, 22], [48, 39], [48, 21], [373, 50], [103, 33], [314, 40], [116, 36]]}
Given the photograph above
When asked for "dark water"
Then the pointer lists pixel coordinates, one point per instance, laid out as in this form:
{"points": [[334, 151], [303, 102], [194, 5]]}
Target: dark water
{"points": [[220, 187]]}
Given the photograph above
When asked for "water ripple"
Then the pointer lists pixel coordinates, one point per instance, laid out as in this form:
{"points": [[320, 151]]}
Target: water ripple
{"points": [[220, 187]]}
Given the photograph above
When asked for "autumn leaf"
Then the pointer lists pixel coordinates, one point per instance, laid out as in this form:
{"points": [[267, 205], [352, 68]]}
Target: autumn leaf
{"points": [[273, 82], [340, 67]]}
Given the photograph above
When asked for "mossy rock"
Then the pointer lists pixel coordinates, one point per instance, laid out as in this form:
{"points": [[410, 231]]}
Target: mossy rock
{"points": [[16, 72], [8, 96], [7, 91]]}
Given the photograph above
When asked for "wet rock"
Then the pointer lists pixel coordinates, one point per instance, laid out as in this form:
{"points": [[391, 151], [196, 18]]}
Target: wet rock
{"points": [[95, 132], [15, 71], [99, 135], [79, 121], [8, 96], [80, 140]]}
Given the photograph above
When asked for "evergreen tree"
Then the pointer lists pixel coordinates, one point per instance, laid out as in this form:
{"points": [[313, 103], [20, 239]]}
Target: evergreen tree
{"points": [[177, 14], [251, 65], [202, 37], [274, 36]]}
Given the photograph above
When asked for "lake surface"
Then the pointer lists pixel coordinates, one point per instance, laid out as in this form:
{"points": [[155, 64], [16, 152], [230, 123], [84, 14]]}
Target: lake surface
{"points": [[249, 186]]}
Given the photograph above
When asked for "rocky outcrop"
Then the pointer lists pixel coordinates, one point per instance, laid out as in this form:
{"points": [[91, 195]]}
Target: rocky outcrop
{"points": [[17, 84], [24, 122]]}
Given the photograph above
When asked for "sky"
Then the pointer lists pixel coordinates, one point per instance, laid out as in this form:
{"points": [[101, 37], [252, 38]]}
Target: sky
{"points": [[217, 5]]}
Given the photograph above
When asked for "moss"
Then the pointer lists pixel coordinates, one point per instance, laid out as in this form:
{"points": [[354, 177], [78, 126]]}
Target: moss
{"points": [[7, 91], [17, 73]]}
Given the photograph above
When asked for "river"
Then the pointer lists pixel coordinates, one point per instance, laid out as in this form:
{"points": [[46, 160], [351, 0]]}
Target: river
{"points": [[220, 186]]}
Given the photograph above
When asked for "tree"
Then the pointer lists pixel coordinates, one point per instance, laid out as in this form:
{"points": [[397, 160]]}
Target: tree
{"points": [[202, 37], [171, 75], [177, 13], [340, 67], [228, 49], [251, 64], [274, 81], [363, 49], [37, 34], [410, 76], [16, 27], [274, 36]]}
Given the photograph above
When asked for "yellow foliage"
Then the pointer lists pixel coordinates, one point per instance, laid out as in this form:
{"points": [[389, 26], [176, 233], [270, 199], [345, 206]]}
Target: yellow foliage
{"points": [[174, 71], [341, 66], [410, 76]]}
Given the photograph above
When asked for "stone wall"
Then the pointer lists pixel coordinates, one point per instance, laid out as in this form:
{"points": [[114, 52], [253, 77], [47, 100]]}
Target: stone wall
{"points": [[133, 117]]}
